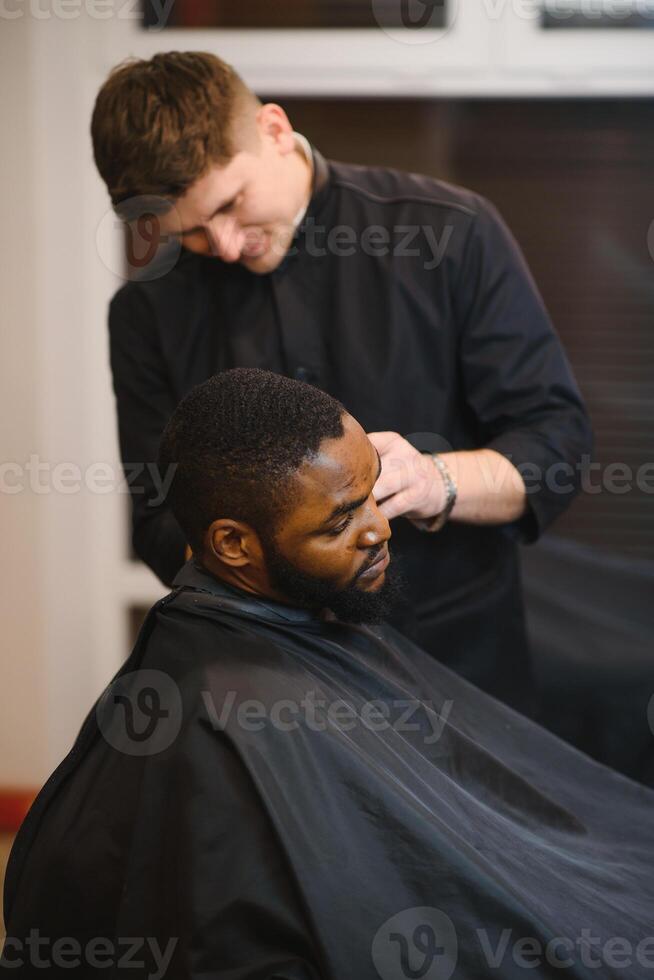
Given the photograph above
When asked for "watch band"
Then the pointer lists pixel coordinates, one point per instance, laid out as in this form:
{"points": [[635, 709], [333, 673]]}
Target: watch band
{"points": [[439, 521]]}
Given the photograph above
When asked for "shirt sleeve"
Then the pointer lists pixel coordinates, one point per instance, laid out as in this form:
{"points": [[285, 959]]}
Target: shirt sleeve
{"points": [[517, 379], [144, 402]]}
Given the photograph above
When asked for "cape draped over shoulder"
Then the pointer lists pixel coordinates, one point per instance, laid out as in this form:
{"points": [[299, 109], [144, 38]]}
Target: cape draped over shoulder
{"points": [[304, 799]]}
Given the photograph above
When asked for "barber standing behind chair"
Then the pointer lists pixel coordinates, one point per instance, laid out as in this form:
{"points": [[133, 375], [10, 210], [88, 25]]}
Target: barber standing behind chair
{"points": [[404, 297]]}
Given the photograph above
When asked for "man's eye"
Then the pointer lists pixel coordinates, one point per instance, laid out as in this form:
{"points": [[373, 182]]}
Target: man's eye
{"points": [[341, 527], [230, 205]]}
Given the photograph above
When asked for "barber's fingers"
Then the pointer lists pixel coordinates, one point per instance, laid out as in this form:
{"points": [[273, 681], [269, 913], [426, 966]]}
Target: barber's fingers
{"points": [[389, 445], [419, 500], [410, 485], [396, 475], [384, 441], [401, 463], [396, 506]]}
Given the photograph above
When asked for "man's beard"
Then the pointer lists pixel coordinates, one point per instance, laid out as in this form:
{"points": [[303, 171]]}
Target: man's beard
{"points": [[350, 604]]}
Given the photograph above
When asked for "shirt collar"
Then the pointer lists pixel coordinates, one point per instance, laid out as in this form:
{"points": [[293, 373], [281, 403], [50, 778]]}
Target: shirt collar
{"points": [[193, 576], [321, 179], [319, 194], [304, 146]]}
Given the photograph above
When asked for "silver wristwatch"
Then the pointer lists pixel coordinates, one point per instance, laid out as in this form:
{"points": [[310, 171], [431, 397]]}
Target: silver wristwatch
{"points": [[439, 521]]}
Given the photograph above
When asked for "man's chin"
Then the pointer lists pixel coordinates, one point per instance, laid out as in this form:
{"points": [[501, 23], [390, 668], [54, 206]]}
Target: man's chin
{"points": [[355, 603], [268, 253], [262, 264], [373, 603]]}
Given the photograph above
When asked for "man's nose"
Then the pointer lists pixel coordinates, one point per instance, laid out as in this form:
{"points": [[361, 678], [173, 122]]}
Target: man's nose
{"points": [[225, 237], [377, 531]]}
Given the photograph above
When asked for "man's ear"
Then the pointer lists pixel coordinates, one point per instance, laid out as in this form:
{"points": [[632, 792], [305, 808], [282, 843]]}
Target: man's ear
{"points": [[274, 124], [233, 543]]}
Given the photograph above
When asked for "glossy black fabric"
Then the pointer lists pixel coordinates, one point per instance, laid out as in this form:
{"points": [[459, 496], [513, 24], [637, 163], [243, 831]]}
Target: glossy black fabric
{"points": [[285, 853], [590, 621], [439, 335]]}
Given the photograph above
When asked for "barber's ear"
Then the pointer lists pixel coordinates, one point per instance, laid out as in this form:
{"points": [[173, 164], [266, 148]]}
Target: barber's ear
{"points": [[274, 124], [231, 542]]}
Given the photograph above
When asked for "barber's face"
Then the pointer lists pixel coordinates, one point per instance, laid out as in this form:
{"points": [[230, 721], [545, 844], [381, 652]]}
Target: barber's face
{"points": [[332, 551], [243, 211]]}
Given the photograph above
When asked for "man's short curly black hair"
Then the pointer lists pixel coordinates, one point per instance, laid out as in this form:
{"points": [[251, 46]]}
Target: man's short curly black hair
{"points": [[236, 441]]}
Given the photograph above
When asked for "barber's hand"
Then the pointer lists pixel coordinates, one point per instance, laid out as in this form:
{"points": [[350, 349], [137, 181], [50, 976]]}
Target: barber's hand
{"points": [[409, 484]]}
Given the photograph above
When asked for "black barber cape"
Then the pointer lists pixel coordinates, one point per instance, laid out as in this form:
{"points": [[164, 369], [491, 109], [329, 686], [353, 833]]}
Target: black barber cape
{"points": [[408, 299], [209, 813]]}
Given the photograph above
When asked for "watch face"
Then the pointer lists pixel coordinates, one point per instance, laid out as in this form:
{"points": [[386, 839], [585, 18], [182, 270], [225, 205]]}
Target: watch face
{"points": [[411, 14], [598, 14]]}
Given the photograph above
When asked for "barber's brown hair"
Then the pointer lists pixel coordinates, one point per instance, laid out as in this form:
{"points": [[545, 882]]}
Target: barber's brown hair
{"points": [[159, 125]]}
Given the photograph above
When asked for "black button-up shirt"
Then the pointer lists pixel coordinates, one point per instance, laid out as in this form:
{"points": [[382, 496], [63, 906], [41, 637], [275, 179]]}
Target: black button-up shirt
{"points": [[408, 299]]}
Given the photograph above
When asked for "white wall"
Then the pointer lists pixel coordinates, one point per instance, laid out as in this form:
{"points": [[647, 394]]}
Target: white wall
{"points": [[21, 591], [65, 582]]}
